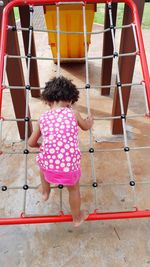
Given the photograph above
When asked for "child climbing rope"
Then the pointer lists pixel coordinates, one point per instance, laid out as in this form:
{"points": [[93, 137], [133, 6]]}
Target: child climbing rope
{"points": [[59, 156]]}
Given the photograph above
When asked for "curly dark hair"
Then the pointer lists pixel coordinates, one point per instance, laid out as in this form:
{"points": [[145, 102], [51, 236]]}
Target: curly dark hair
{"points": [[60, 89]]}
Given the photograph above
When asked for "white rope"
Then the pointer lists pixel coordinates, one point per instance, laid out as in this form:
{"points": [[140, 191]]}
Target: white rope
{"points": [[4, 70], [95, 118], [27, 82], [80, 88], [127, 151], [73, 58], [135, 38], [88, 104], [1, 3], [58, 38], [69, 32]]}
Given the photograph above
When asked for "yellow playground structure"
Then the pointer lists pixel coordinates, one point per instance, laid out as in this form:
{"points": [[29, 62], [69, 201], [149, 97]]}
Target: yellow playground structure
{"points": [[70, 20]]}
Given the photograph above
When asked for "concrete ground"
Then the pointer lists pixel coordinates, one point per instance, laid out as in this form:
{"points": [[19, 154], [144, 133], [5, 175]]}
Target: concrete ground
{"points": [[117, 243]]}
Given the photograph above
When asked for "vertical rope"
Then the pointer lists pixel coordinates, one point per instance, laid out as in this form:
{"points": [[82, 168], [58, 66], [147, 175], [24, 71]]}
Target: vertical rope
{"points": [[58, 74], [127, 150], [27, 81], [58, 38], [4, 71], [88, 102], [60, 201], [135, 38]]}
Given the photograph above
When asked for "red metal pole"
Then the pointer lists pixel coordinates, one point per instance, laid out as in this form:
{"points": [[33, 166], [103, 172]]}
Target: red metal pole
{"points": [[2, 52], [142, 57], [68, 218]]}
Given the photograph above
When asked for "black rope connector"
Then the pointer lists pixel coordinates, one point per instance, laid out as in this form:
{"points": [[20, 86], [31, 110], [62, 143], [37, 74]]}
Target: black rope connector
{"points": [[29, 55], [115, 54], [111, 27], [119, 84], [30, 28], [4, 188], [13, 28], [126, 148], [60, 186], [25, 187], [123, 116], [28, 87], [26, 151], [109, 6], [91, 150], [1, 3], [31, 9], [132, 183], [95, 184], [26, 119], [87, 86]]}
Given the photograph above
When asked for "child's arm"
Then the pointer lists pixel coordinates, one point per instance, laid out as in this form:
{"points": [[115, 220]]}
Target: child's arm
{"points": [[84, 124], [32, 141]]}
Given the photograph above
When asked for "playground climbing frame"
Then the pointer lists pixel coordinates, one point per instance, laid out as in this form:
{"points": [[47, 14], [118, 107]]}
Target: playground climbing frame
{"points": [[140, 51]]}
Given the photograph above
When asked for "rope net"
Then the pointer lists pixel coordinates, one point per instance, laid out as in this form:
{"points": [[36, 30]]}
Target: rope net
{"points": [[111, 180]]}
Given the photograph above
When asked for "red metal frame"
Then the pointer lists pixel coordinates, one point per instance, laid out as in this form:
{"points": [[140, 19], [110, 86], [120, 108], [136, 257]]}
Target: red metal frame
{"points": [[67, 217]]}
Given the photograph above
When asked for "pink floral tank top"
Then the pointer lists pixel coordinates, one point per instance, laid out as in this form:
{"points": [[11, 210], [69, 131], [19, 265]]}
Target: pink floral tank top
{"points": [[59, 150]]}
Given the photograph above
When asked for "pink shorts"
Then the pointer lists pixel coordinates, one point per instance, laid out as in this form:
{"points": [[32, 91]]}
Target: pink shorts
{"points": [[64, 178]]}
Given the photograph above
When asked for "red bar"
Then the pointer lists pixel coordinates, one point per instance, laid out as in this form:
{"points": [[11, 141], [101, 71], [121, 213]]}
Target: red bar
{"points": [[68, 218]]}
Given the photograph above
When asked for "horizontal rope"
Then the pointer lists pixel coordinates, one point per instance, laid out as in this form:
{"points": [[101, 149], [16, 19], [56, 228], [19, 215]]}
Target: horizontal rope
{"points": [[98, 185], [95, 118], [82, 151], [79, 88], [73, 58], [68, 32]]}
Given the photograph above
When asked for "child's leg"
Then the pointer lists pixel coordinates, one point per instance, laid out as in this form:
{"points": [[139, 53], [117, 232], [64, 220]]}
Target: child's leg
{"points": [[75, 204], [45, 187]]}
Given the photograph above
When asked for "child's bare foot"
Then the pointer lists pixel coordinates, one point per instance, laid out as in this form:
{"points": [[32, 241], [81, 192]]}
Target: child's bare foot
{"points": [[79, 220], [45, 192]]}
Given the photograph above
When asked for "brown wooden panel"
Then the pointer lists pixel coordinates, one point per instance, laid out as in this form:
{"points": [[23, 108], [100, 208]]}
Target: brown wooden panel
{"points": [[126, 66], [34, 78], [106, 71], [16, 77]]}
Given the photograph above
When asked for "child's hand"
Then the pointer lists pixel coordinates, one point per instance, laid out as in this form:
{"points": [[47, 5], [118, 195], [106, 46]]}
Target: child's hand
{"points": [[89, 120], [84, 124], [38, 145]]}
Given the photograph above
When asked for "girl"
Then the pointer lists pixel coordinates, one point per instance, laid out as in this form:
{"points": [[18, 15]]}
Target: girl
{"points": [[59, 155]]}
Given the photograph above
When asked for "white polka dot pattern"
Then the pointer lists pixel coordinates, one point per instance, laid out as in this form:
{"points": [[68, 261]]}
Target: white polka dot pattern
{"points": [[59, 150]]}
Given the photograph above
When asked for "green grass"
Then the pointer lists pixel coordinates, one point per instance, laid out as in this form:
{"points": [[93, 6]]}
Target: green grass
{"points": [[146, 17], [99, 15], [16, 12]]}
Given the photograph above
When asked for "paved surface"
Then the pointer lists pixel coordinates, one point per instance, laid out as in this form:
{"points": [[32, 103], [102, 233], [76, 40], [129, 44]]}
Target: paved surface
{"points": [[95, 244]]}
